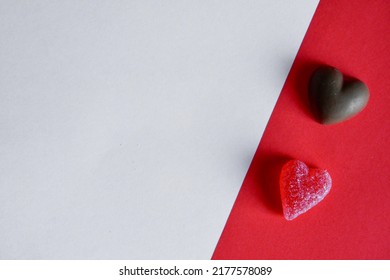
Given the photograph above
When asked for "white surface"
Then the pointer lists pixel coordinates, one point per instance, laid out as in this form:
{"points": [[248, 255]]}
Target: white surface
{"points": [[127, 127]]}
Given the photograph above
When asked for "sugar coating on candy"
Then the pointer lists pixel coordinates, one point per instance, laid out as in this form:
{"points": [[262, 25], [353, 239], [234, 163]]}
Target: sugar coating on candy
{"points": [[302, 188]]}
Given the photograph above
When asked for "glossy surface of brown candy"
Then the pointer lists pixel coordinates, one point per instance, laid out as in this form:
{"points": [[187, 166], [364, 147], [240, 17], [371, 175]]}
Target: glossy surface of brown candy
{"points": [[332, 98]]}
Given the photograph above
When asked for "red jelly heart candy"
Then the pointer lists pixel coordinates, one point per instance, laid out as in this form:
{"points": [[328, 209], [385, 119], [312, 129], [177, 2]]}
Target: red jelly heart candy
{"points": [[302, 188]]}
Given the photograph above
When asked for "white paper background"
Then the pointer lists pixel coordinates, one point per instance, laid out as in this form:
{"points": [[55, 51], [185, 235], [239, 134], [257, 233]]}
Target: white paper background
{"points": [[127, 127]]}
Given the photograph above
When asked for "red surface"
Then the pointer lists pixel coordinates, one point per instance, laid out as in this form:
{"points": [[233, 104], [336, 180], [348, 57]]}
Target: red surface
{"points": [[353, 222]]}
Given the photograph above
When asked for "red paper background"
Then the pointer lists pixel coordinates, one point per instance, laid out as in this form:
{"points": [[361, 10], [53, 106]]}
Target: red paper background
{"points": [[353, 221]]}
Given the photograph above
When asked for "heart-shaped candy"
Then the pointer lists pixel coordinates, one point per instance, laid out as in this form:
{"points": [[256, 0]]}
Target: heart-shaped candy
{"points": [[302, 188], [334, 100]]}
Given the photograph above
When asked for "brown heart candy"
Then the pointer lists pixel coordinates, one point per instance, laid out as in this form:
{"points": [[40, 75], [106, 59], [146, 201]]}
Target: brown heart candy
{"points": [[333, 99]]}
